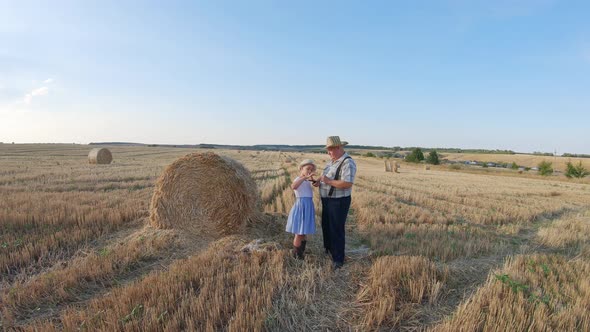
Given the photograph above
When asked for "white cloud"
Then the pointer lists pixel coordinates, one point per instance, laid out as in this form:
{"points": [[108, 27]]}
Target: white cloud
{"points": [[42, 91], [48, 81]]}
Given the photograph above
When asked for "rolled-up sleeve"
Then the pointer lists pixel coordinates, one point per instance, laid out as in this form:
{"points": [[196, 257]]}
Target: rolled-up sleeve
{"points": [[348, 171]]}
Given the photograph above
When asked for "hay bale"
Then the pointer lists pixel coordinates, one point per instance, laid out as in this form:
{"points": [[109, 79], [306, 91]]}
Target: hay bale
{"points": [[426, 167], [205, 194], [100, 156], [387, 166]]}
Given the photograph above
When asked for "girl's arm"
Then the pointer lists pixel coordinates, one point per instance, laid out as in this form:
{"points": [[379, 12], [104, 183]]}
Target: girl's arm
{"points": [[297, 182]]}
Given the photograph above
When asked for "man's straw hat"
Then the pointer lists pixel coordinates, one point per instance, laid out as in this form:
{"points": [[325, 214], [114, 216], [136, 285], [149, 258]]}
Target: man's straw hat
{"points": [[307, 162], [334, 141]]}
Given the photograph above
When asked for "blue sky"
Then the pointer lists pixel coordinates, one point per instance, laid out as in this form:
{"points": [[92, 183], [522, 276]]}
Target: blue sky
{"points": [[471, 74]]}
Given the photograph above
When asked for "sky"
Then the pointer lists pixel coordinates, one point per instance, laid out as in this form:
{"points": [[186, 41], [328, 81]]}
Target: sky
{"points": [[457, 73]]}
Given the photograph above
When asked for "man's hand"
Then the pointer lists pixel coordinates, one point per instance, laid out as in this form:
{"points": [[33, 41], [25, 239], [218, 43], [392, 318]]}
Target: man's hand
{"points": [[336, 183], [314, 182]]}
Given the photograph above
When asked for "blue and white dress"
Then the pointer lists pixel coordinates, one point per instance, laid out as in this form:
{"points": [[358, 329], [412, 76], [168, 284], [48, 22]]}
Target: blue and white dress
{"points": [[302, 216]]}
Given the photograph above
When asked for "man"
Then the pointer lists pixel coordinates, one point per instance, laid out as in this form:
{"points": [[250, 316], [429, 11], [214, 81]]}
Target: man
{"points": [[335, 190]]}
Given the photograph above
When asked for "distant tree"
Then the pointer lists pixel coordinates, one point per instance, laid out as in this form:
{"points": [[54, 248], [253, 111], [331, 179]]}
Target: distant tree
{"points": [[576, 155], [545, 168], [415, 156], [370, 154], [538, 153], [577, 171], [387, 155], [514, 165], [433, 158]]}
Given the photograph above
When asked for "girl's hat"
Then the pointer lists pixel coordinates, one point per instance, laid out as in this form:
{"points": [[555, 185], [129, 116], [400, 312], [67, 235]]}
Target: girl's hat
{"points": [[307, 162]]}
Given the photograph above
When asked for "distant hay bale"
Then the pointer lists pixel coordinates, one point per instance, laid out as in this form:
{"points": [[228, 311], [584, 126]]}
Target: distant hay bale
{"points": [[100, 156], [207, 194], [388, 166], [426, 167]]}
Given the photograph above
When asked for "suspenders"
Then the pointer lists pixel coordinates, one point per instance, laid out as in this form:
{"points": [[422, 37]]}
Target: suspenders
{"points": [[337, 176]]}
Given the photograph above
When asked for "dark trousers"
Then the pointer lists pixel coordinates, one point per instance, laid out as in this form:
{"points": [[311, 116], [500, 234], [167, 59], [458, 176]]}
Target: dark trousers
{"points": [[334, 213]]}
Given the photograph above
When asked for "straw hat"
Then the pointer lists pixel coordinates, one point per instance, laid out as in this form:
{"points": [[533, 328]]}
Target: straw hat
{"points": [[307, 162], [334, 141]]}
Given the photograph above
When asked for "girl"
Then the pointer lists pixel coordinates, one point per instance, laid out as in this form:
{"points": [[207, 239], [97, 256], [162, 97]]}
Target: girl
{"points": [[302, 216]]}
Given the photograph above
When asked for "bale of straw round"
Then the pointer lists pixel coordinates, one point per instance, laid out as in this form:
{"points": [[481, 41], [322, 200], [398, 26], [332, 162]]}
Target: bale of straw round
{"points": [[100, 156], [205, 194], [387, 165]]}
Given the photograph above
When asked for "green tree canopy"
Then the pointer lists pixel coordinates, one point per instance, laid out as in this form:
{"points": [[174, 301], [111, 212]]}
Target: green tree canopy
{"points": [[433, 158], [577, 171], [415, 156], [545, 168]]}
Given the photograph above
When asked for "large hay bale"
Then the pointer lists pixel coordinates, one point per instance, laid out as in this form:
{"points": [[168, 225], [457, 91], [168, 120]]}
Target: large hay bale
{"points": [[205, 194], [100, 156]]}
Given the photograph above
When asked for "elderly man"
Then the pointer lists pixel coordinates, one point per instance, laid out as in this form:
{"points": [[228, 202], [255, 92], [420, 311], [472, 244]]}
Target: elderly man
{"points": [[335, 190]]}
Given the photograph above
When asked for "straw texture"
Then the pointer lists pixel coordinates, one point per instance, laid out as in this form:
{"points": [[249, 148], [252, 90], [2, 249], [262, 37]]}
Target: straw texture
{"points": [[205, 194], [100, 156]]}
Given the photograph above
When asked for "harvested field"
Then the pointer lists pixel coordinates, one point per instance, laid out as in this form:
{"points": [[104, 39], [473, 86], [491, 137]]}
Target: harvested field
{"points": [[426, 249], [525, 160]]}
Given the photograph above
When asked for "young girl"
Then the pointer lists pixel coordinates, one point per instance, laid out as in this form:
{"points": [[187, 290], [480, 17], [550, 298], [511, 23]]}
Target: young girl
{"points": [[302, 216]]}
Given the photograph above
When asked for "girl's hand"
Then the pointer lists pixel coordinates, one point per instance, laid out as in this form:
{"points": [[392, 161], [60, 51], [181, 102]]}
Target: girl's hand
{"points": [[313, 181], [299, 180], [306, 176]]}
